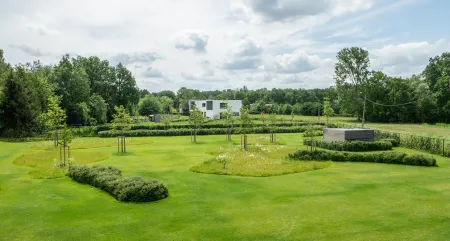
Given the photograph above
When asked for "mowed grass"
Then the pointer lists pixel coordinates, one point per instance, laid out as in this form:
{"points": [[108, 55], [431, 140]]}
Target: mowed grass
{"points": [[346, 201]]}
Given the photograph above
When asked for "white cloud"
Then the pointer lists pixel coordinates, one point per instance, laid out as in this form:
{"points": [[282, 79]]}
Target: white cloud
{"points": [[406, 58], [212, 44], [40, 29], [297, 62], [197, 40], [151, 72]]}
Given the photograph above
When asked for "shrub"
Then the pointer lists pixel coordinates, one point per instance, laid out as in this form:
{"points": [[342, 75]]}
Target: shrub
{"points": [[394, 142], [351, 145], [127, 189], [210, 131], [383, 157], [137, 189]]}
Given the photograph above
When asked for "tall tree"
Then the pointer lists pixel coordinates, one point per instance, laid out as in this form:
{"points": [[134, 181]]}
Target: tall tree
{"points": [[127, 90], [149, 105], [351, 74], [98, 109], [24, 99], [72, 84]]}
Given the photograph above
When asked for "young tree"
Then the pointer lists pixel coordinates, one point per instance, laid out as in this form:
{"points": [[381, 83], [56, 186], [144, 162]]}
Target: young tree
{"points": [[64, 139], [310, 133], [327, 109], [263, 117], [55, 117], [166, 119], [196, 119], [121, 122], [273, 122], [246, 124], [228, 115], [292, 116]]}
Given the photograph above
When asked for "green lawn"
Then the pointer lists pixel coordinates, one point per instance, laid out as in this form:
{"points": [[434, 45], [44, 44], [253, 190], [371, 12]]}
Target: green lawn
{"points": [[346, 201]]}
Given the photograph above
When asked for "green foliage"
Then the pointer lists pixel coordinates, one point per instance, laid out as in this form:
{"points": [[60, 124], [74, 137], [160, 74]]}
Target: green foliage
{"points": [[98, 108], [245, 121], [65, 136], [351, 74], [121, 120], [166, 120], [55, 116], [166, 104], [327, 109], [353, 146], [394, 142], [420, 143], [210, 131], [380, 157], [24, 99], [125, 189], [149, 105]]}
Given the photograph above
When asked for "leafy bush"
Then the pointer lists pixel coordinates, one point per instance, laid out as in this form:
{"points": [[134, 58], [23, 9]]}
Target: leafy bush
{"points": [[394, 142], [383, 157], [211, 131], [351, 145], [127, 189]]}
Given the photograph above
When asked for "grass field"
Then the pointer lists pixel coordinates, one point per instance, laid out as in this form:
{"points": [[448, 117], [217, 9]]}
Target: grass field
{"points": [[345, 201]]}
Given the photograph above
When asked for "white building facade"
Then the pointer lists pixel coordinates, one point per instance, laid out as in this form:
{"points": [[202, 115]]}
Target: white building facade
{"points": [[213, 108]]}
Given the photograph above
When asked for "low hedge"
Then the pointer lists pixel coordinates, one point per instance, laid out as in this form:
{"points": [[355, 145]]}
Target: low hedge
{"points": [[351, 145], [394, 142], [382, 157], [126, 189], [211, 131]]}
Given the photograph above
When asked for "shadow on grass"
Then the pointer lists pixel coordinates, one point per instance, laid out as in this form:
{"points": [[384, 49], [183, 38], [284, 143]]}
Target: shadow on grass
{"points": [[124, 154]]}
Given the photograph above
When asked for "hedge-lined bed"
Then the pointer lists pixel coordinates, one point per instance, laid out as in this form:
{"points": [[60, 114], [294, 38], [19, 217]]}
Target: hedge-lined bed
{"points": [[125, 189], [381, 157], [353, 146], [210, 131]]}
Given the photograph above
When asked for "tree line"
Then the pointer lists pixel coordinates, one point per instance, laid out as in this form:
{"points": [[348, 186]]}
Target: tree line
{"points": [[88, 89]]}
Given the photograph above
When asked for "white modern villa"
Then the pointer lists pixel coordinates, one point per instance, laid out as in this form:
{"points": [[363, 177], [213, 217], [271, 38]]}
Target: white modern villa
{"points": [[213, 108]]}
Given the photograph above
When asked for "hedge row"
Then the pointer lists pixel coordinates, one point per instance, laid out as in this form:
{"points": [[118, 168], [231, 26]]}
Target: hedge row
{"points": [[382, 157], [211, 131], [126, 189], [350, 145]]}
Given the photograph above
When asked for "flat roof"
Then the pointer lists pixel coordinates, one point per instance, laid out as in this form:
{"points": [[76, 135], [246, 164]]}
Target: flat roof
{"points": [[350, 129]]}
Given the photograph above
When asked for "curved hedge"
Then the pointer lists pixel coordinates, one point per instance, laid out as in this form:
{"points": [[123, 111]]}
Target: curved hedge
{"points": [[211, 131], [126, 189], [351, 145], [382, 157]]}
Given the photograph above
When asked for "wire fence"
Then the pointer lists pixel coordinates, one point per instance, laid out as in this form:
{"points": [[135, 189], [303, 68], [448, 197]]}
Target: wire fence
{"points": [[431, 145]]}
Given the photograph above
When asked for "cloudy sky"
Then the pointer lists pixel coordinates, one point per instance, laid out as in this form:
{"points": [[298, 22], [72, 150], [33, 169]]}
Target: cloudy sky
{"points": [[216, 44]]}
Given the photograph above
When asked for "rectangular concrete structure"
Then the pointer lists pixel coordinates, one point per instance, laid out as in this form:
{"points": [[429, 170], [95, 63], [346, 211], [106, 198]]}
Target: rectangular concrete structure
{"points": [[343, 134]]}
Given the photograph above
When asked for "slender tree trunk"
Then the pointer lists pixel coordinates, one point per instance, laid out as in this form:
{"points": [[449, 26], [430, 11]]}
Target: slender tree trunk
{"points": [[195, 135]]}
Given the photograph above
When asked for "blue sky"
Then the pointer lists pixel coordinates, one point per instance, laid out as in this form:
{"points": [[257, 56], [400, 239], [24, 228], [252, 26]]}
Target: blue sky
{"points": [[228, 43]]}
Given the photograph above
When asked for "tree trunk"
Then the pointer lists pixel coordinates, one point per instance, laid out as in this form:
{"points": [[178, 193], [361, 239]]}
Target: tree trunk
{"points": [[195, 135]]}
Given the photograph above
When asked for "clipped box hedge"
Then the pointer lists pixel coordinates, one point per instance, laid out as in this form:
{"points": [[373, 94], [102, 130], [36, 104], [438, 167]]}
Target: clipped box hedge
{"points": [[210, 131], [381, 157], [353, 146], [126, 189]]}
